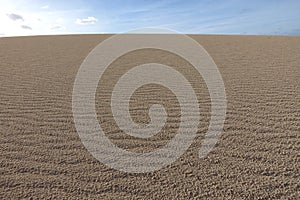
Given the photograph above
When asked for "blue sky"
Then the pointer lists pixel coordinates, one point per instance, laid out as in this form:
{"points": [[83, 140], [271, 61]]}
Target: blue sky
{"points": [[32, 17]]}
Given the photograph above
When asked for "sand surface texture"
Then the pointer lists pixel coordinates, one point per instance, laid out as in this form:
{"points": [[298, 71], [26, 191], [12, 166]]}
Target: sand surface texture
{"points": [[257, 156]]}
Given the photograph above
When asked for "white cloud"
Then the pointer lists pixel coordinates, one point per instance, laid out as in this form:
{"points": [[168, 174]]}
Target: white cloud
{"points": [[45, 7], [15, 17], [88, 20], [58, 28], [26, 27]]}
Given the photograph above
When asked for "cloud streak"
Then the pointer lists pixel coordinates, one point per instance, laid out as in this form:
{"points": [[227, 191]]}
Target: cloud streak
{"points": [[58, 28], [88, 20], [26, 27], [45, 7], [15, 17]]}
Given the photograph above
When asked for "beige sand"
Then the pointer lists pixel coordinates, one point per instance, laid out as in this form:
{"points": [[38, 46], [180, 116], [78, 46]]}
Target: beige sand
{"points": [[257, 156]]}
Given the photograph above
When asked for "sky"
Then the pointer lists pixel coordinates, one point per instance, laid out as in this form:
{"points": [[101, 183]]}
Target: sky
{"points": [[252, 17]]}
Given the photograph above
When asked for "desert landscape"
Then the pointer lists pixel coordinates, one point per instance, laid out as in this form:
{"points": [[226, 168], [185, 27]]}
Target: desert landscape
{"points": [[256, 157]]}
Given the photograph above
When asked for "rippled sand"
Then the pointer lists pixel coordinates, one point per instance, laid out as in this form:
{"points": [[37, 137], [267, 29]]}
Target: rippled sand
{"points": [[258, 154]]}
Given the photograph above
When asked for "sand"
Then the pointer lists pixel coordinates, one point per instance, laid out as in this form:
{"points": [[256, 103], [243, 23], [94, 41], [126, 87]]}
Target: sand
{"points": [[257, 156]]}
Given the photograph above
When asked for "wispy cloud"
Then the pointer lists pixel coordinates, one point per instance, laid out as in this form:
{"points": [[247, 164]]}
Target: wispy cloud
{"points": [[88, 20], [58, 28], [15, 17], [45, 7], [26, 27]]}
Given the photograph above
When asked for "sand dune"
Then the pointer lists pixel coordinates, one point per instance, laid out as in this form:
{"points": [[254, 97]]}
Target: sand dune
{"points": [[257, 156]]}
